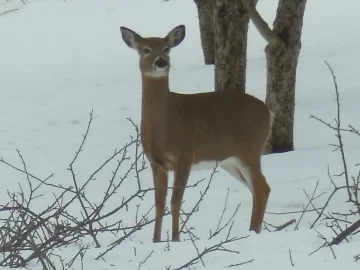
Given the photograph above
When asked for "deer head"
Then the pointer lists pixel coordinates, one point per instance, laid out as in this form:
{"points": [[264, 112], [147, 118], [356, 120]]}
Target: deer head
{"points": [[154, 51]]}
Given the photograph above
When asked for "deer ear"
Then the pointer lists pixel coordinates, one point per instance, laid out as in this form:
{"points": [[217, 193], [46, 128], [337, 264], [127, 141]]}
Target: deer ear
{"points": [[176, 36], [130, 37]]}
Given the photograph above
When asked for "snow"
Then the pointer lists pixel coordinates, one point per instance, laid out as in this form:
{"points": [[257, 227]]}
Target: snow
{"points": [[61, 59]]}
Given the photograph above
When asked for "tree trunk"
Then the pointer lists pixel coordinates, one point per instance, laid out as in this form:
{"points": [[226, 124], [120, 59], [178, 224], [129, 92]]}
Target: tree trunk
{"points": [[231, 28], [205, 10], [281, 73]]}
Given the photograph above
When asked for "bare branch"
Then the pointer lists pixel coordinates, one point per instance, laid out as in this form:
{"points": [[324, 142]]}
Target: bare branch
{"points": [[242, 263], [291, 260], [337, 240], [260, 24]]}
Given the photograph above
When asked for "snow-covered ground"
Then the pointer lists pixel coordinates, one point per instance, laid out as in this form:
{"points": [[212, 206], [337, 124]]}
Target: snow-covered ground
{"points": [[61, 59]]}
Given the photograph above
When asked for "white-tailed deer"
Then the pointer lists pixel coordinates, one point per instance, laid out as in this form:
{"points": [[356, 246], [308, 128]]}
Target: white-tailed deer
{"points": [[180, 131]]}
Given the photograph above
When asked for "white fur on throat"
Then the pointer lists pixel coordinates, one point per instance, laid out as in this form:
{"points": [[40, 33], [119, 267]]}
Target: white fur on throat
{"points": [[157, 73]]}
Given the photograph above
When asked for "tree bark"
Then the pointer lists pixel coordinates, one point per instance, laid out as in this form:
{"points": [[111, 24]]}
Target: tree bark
{"points": [[231, 28], [205, 10], [281, 73]]}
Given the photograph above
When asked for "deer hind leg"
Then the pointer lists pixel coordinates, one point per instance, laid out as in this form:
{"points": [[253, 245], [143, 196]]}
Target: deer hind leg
{"points": [[181, 174], [160, 177], [260, 191]]}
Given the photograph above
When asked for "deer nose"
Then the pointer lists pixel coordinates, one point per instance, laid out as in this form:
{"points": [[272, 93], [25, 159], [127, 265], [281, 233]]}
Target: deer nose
{"points": [[161, 63]]}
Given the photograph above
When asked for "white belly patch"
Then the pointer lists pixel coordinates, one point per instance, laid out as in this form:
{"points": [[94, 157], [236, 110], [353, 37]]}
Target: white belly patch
{"points": [[210, 164], [232, 165]]}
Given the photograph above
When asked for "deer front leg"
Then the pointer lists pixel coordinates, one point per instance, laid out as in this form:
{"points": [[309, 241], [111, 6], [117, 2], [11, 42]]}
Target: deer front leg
{"points": [[181, 174], [160, 177]]}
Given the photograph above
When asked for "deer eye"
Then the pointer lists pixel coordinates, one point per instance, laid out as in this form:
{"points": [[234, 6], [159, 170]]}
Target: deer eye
{"points": [[166, 50], [146, 50]]}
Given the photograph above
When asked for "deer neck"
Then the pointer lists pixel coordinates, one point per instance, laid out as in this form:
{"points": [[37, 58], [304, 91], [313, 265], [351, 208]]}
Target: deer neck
{"points": [[155, 92]]}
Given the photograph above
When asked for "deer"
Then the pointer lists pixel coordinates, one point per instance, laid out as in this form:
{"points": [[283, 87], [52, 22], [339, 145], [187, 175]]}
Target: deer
{"points": [[184, 132]]}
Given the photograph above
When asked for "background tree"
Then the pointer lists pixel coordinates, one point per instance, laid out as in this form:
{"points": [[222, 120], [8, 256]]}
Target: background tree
{"points": [[231, 23], [205, 10], [230, 28], [282, 53]]}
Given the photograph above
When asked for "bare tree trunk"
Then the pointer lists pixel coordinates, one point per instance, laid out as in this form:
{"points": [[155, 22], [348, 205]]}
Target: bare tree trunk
{"points": [[205, 10], [231, 28], [281, 73]]}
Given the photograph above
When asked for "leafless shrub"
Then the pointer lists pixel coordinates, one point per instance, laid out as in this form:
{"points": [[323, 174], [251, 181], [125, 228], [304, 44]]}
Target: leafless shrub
{"points": [[220, 246], [31, 233], [347, 223], [343, 224], [40, 232]]}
